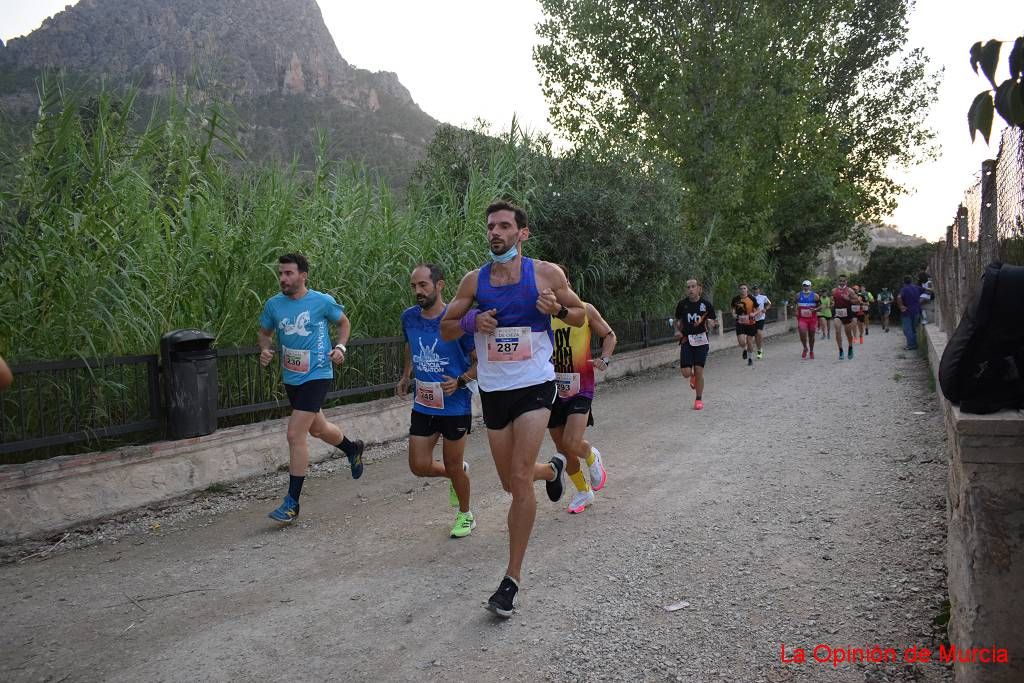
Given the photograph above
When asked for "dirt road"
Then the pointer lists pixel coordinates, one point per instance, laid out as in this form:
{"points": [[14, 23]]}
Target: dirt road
{"points": [[803, 506]]}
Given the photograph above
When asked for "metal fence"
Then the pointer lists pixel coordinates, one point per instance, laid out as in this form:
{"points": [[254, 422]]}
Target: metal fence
{"points": [[61, 407], [988, 226], [61, 402]]}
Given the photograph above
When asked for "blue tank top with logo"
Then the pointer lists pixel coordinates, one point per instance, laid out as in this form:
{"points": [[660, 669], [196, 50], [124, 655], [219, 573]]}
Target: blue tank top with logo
{"points": [[433, 359]]}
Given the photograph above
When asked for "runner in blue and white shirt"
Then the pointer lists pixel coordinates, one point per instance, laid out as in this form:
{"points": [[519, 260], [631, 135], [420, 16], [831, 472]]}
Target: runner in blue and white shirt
{"points": [[302, 318]]}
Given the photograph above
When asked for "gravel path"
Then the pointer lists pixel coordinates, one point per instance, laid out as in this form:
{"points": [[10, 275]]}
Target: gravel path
{"points": [[803, 506]]}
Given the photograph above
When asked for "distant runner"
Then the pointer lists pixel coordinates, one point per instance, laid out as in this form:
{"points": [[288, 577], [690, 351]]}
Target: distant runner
{"points": [[743, 307], [763, 304], [808, 303], [694, 316], [885, 300], [843, 300], [825, 314]]}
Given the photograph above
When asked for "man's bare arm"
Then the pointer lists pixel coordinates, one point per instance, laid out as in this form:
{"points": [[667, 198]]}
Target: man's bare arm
{"points": [[459, 306], [552, 280]]}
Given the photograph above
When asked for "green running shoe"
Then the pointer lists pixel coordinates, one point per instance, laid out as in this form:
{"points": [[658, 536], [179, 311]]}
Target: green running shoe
{"points": [[464, 524]]}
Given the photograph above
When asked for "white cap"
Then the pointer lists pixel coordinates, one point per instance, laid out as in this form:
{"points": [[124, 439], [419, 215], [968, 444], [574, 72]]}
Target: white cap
{"points": [[806, 283]]}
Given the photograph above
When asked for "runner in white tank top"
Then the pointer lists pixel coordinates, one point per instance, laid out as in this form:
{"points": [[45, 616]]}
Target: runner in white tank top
{"points": [[511, 324]]}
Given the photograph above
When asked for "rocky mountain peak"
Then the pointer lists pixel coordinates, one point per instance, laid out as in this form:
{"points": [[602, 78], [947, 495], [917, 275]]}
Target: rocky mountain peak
{"points": [[275, 60]]}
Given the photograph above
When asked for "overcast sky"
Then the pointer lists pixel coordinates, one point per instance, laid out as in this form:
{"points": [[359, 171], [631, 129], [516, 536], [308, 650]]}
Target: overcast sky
{"points": [[448, 53]]}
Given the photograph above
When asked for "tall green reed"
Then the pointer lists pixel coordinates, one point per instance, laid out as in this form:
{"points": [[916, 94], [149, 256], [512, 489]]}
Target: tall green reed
{"points": [[116, 230]]}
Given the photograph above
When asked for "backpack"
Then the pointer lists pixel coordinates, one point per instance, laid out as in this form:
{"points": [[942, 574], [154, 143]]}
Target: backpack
{"points": [[982, 367]]}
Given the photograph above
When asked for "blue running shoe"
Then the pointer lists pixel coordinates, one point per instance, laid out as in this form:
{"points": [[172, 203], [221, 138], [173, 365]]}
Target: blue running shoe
{"points": [[355, 460], [840, 354], [288, 511], [849, 353]]}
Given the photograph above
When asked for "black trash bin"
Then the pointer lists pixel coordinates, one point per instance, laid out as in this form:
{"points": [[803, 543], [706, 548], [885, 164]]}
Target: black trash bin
{"points": [[190, 383]]}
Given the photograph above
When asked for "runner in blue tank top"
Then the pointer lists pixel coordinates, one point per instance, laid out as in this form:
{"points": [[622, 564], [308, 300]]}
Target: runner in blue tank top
{"points": [[301, 318], [441, 405], [511, 324]]}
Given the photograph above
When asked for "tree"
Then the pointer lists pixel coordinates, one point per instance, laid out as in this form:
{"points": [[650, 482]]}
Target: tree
{"points": [[1007, 97], [887, 265], [778, 120]]}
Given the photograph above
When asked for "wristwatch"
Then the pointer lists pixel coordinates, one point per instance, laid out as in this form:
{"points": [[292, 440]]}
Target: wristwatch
{"points": [[341, 347], [607, 361], [461, 382], [563, 312]]}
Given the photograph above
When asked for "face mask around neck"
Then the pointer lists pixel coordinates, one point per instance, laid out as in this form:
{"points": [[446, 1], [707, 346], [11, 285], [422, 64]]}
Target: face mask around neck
{"points": [[506, 257]]}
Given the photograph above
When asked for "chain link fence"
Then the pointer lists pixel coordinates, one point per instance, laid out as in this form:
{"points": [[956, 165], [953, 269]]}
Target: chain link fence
{"points": [[988, 226]]}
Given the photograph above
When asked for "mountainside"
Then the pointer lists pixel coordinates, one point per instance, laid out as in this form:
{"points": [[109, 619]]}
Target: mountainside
{"points": [[274, 61], [848, 258]]}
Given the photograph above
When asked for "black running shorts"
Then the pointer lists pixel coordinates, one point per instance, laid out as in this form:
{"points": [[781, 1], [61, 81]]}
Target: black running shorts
{"points": [[749, 330], [759, 324], [577, 405], [693, 355], [451, 427], [308, 396], [502, 407]]}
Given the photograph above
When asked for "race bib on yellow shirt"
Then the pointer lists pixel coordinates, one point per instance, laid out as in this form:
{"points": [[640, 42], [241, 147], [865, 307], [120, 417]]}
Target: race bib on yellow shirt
{"points": [[568, 384]]}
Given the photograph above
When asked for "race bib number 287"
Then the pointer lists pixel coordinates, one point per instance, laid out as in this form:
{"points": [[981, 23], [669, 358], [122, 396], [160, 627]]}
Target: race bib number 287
{"points": [[510, 345]]}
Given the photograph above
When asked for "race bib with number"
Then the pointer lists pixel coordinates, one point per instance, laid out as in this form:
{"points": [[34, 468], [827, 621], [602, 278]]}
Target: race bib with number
{"points": [[568, 384], [806, 312], [698, 339], [840, 312], [296, 360], [510, 345], [743, 319], [430, 394], [855, 308]]}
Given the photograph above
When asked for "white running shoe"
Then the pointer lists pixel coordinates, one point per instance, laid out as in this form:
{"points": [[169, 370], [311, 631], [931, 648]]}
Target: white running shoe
{"points": [[598, 476], [580, 502]]}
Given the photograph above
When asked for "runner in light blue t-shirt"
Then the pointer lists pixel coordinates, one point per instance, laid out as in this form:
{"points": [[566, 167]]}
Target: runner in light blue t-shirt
{"points": [[302, 319]]}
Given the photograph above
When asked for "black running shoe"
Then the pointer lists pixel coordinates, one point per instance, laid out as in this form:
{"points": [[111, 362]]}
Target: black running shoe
{"points": [[503, 602], [555, 487], [744, 354], [356, 459], [750, 361]]}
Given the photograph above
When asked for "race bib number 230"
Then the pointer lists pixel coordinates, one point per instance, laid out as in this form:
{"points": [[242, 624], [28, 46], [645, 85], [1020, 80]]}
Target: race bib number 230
{"points": [[296, 360]]}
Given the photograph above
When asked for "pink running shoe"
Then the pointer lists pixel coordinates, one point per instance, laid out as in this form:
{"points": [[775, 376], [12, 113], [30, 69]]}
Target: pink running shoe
{"points": [[580, 502], [598, 475], [698, 404], [812, 355]]}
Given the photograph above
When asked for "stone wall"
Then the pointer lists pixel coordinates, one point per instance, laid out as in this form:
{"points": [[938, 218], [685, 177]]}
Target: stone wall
{"points": [[985, 547]]}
